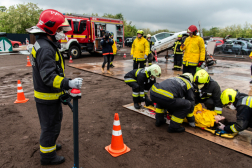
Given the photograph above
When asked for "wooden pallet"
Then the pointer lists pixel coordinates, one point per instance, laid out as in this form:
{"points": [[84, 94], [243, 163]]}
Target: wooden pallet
{"points": [[240, 143]]}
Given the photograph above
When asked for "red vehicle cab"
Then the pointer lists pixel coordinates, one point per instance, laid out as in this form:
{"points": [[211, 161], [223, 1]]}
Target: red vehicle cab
{"points": [[87, 32], [15, 44]]}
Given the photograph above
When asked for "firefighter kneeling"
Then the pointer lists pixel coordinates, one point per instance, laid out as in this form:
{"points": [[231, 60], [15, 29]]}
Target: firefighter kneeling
{"points": [[141, 81], [177, 97], [207, 91]]}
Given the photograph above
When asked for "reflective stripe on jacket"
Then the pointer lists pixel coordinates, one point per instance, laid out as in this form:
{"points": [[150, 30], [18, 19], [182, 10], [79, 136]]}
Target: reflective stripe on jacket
{"points": [[176, 46], [140, 47], [194, 51], [48, 71]]}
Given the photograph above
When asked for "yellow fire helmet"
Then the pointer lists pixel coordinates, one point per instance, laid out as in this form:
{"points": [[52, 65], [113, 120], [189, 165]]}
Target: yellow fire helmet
{"points": [[180, 35], [201, 77], [187, 76], [140, 32], [228, 96], [154, 70]]}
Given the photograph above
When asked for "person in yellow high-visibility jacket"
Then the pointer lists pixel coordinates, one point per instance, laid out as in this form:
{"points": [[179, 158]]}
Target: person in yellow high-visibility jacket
{"points": [[194, 48], [140, 50], [114, 48]]}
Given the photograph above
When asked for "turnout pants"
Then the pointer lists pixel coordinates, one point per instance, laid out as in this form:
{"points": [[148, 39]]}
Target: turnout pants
{"points": [[137, 63], [50, 117], [189, 69], [138, 96], [149, 59], [179, 109], [178, 61], [106, 60], [112, 59]]}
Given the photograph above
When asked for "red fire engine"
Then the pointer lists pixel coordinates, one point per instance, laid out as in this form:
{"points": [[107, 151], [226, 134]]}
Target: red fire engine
{"points": [[87, 32]]}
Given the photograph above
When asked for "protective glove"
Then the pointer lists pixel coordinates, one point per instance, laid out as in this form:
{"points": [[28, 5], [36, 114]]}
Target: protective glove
{"points": [[222, 126], [148, 102], [200, 63], [75, 83], [145, 56], [192, 124]]}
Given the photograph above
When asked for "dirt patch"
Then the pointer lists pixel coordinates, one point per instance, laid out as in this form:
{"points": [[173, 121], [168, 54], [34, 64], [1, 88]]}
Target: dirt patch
{"points": [[102, 97]]}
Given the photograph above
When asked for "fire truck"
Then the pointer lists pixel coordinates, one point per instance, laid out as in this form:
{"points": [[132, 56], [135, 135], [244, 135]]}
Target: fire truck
{"points": [[87, 32]]}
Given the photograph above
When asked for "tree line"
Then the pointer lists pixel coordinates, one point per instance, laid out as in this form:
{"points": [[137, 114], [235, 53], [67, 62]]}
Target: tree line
{"points": [[19, 17]]}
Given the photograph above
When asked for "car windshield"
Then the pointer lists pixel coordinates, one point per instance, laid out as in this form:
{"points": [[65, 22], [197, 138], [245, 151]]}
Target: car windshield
{"points": [[162, 36], [153, 39]]}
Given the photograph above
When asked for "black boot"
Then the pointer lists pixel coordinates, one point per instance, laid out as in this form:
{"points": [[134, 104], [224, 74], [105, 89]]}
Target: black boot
{"points": [[137, 106], [58, 147], [57, 160], [176, 130], [174, 69], [160, 119]]}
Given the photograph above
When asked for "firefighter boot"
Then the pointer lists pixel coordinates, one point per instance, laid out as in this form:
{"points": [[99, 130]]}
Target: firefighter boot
{"points": [[136, 101], [57, 160], [137, 106], [174, 69], [102, 70], [175, 127], [109, 72], [148, 102], [159, 119]]}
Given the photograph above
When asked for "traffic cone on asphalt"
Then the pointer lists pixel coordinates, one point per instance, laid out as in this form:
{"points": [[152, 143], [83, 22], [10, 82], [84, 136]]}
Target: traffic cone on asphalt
{"points": [[20, 94], [117, 147], [28, 62], [70, 59], [124, 56]]}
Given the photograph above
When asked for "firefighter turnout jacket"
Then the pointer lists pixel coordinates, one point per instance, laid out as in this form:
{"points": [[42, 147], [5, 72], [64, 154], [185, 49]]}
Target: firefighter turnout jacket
{"points": [[107, 46], [140, 47], [211, 90], [150, 45], [172, 88], [114, 48], [176, 47], [194, 50], [243, 104], [139, 78], [48, 71]]}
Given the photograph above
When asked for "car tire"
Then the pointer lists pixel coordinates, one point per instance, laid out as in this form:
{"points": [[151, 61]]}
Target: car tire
{"points": [[74, 51], [16, 46]]}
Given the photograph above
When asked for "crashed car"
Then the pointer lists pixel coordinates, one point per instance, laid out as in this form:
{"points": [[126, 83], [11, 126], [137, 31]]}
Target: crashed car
{"points": [[165, 40], [238, 47]]}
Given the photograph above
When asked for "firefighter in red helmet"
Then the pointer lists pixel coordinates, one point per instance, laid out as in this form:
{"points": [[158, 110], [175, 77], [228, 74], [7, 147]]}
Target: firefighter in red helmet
{"points": [[194, 48], [49, 81]]}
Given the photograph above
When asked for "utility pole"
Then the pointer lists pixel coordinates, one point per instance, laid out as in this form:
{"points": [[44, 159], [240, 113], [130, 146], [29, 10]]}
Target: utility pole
{"points": [[201, 33]]}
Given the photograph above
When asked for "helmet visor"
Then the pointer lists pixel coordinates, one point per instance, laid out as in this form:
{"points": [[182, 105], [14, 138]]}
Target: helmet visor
{"points": [[65, 26]]}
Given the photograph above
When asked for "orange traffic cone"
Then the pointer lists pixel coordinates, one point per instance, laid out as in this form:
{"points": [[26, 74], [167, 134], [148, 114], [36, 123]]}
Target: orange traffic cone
{"points": [[28, 62], [70, 59], [20, 94], [124, 56], [117, 147]]}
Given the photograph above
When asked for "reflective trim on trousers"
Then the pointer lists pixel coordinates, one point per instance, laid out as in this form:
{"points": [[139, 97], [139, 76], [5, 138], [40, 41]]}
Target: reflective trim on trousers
{"points": [[47, 149], [176, 119]]}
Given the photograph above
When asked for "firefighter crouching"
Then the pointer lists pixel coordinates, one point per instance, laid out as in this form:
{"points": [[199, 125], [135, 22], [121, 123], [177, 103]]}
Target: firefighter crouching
{"points": [[114, 48], [194, 48], [49, 81], [243, 105], [178, 54], [139, 50], [141, 81], [150, 56], [207, 91], [176, 96]]}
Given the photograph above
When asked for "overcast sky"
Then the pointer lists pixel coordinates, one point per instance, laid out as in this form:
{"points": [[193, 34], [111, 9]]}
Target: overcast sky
{"points": [[175, 15]]}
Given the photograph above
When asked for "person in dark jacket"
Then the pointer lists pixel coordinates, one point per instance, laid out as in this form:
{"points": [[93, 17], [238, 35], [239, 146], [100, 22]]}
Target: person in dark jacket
{"points": [[107, 51], [243, 105], [141, 80], [178, 54], [49, 81], [207, 91], [176, 95], [150, 56]]}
